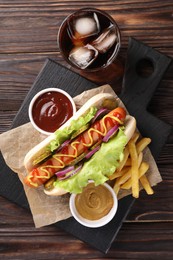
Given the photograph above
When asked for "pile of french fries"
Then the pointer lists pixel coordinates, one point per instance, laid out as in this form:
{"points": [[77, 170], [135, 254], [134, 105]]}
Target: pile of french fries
{"points": [[132, 170]]}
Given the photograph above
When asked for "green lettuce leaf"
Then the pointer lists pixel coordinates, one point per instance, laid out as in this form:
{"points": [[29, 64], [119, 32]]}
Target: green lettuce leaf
{"points": [[102, 164], [65, 134]]}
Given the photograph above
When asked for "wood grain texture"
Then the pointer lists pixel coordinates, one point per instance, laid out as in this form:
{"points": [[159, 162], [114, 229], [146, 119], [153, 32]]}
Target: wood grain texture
{"points": [[28, 31], [17, 242]]}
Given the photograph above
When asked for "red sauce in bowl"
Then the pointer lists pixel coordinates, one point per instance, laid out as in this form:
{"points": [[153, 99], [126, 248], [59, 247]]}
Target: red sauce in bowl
{"points": [[51, 110]]}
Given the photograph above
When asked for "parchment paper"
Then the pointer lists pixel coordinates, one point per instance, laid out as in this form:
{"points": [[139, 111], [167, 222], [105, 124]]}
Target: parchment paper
{"points": [[47, 210]]}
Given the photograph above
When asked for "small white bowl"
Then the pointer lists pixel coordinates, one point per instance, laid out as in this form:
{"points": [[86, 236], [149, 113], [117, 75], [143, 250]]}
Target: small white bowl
{"points": [[37, 96], [94, 223]]}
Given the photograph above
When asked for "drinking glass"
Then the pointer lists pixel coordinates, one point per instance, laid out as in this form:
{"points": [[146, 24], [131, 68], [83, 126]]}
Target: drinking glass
{"points": [[89, 40]]}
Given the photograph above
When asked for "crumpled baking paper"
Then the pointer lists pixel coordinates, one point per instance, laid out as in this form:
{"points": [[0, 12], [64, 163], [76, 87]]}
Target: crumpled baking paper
{"points": [[45, 209]]}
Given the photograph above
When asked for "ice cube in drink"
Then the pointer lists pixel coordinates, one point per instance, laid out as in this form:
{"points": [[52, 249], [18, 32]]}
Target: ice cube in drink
{"points": [[89, 39], [106, 40], [83, 56], [83, 25]]}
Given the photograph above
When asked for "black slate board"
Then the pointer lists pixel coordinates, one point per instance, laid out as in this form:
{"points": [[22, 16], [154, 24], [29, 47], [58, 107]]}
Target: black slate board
{"points": [[136, 94], [138, 90]]}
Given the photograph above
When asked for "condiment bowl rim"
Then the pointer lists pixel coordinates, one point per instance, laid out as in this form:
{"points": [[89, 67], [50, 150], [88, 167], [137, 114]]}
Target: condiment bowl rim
{"points": [[35, 98], [94, 223]]}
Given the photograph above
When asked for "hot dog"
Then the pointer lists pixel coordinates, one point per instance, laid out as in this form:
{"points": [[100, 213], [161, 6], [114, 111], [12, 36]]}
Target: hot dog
{"points": [[64, 168]]}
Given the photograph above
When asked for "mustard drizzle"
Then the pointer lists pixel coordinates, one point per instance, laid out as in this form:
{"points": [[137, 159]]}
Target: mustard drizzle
{"points": [[73, 145], [31, 182]]}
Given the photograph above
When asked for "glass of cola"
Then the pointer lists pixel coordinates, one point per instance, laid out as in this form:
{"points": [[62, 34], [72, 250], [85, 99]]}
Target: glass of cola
{"points": [[89, 39]]}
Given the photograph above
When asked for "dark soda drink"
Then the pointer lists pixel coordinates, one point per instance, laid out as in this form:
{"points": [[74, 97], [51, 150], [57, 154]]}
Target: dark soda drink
{"points": [[89, 39]]}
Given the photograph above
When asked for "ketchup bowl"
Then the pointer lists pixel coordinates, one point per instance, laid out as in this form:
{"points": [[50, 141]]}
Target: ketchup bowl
{"points": [[49, 109]]}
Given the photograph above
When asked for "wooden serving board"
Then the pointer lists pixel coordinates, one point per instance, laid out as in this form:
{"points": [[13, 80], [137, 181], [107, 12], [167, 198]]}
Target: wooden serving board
{"points": [[136, 94]]}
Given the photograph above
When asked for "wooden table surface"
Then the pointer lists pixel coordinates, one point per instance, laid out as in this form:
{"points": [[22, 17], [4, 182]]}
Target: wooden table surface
{"points": [[28, 32]]}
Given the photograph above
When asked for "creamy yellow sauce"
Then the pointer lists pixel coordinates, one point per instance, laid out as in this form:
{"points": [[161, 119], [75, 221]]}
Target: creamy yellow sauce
{"points": [[94, 202]]}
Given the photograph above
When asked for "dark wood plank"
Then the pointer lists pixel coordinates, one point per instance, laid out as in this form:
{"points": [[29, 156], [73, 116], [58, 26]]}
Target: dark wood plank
{"points": [[32, 28], [49, 242]]}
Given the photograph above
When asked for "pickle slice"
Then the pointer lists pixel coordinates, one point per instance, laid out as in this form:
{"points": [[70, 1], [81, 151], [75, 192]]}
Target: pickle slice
{"points": [[42, 157], [96, 144], [49, 184], [110, 103], [77, 159], [81, 130]]}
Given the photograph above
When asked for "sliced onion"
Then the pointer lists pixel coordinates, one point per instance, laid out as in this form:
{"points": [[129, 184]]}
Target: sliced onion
{"points": [[64, 171], [110, 133], [92, 152], [63, 145], [72, 173], [100, 113]]}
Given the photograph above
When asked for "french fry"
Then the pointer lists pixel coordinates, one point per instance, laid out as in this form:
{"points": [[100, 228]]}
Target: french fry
{"points": [[142, 170], [115, 175], [142, 144], [135, 137], [123, 162], [140, 157], [146, 185], [134, 168], [116, 188], [129, 162], [125, 177], [127, 185]]}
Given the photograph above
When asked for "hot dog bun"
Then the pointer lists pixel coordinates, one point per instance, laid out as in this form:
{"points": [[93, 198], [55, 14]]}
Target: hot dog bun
{"points": [[39, 149], [97, 101], [130, 126]]}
